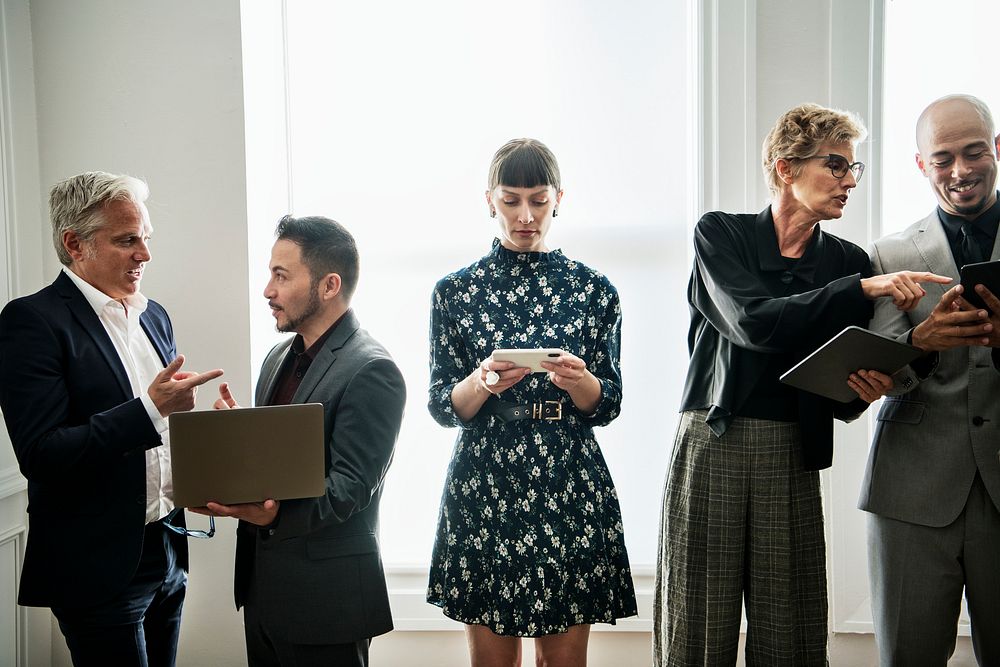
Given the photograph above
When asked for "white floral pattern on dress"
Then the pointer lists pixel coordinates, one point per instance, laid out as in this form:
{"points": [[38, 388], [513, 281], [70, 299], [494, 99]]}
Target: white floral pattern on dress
{"points": [[530, 538]]}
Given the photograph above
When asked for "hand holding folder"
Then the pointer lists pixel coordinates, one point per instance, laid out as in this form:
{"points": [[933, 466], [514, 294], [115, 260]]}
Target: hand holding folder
{"points": [[825, 371]]}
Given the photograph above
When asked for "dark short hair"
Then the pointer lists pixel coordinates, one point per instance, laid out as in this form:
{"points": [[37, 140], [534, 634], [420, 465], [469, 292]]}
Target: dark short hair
{"points": [[327, 247], [524, 163]]}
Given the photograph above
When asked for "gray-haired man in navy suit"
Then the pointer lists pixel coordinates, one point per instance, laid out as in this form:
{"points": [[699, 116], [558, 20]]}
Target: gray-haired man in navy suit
{"points": [[89, 372]]}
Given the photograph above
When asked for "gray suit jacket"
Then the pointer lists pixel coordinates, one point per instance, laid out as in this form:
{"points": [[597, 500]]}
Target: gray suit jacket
{"points": [[317, 569], [934, 433]]}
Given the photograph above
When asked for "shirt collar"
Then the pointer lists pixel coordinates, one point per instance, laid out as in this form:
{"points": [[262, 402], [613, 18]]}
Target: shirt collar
{"points": [[98, 300], [769, 255], [298, 343], [986, 223]]}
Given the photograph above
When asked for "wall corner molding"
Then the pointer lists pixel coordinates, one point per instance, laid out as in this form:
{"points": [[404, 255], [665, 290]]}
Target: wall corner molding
{"points": [[11, 482]]}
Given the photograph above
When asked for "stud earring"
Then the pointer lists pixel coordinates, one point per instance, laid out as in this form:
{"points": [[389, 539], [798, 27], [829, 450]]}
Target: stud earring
{"points": [[555, 213], [493, 213]]}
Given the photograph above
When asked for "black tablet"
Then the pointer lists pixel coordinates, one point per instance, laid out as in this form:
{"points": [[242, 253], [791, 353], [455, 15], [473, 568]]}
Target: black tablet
{"points": [[981, 273], [826, 370]]}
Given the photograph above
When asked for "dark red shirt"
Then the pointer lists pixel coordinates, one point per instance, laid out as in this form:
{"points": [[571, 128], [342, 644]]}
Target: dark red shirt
{"points": [[295, 367]]}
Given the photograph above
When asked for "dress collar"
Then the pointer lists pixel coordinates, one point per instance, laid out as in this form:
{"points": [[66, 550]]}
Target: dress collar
{"points": [[505, 257]]}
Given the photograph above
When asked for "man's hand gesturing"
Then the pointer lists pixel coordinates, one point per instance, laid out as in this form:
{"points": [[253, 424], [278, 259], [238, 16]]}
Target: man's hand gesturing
{"points": [[173, 390]]}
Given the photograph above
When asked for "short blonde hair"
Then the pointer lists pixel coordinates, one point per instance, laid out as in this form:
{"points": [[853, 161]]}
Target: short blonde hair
{"points": [[800, 132]]}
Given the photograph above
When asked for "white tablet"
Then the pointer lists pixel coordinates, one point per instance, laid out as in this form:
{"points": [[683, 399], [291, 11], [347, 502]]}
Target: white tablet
{"points": [[528, 357]]}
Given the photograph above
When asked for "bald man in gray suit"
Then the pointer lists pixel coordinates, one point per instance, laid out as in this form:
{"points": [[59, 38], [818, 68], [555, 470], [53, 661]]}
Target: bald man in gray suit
{"points": [[933, 480]]}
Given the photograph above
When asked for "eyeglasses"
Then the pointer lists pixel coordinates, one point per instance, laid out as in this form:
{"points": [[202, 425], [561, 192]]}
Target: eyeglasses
{"points": [[201, 534], [839, 166]]}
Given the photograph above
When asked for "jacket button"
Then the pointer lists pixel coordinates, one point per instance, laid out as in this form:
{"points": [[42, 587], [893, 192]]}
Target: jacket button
{"points": [[270, 531], [977, 421], [140, 500]]}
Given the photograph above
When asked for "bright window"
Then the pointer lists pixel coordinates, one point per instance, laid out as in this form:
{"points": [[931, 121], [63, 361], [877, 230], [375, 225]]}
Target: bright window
{"points": [[395, 109], [930, 51]]}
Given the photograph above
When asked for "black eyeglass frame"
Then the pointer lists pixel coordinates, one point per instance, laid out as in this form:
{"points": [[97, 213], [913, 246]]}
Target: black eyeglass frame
{"points": [[856, 168], [200, 534]]}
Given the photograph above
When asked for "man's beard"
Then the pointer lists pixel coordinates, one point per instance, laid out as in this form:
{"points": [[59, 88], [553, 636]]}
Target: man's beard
{"points": [[294, 323]]}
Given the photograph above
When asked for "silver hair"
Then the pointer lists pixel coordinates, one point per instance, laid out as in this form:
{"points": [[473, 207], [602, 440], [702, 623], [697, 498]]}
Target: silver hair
{"points": [[77, 204]]}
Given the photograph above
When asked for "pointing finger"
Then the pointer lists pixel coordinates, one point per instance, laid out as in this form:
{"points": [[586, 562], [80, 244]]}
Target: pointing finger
{"points": [[200, 379], [928, 277]]}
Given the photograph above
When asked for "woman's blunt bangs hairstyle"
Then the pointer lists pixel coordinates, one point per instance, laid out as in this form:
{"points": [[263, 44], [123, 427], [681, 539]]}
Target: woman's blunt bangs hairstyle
{"points": [[800, 132], [524, 163]]}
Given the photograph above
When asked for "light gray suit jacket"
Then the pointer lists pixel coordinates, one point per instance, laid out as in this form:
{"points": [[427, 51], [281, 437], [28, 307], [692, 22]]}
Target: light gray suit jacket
{"points": [[936, 432], [317, 570]]}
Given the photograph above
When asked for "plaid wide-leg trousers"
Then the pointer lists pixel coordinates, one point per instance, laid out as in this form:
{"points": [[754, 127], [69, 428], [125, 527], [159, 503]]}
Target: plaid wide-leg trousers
{"points": [[741, 521]]}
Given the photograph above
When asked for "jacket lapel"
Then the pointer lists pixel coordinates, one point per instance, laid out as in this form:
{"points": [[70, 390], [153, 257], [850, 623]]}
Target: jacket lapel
{"points": [[88, 320], [932, 244], [324, 360], [269, 371], [155, 336]]}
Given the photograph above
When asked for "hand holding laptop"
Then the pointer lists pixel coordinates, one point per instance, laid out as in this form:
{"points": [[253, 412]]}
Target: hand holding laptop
{"points": [[260, 514]]}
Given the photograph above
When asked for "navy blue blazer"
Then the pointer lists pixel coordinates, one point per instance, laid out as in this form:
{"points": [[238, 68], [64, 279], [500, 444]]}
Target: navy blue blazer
{"points": [[80, 440]]}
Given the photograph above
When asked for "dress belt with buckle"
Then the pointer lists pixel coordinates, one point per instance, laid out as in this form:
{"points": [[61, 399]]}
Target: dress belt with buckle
{"points": [[508, 412]]}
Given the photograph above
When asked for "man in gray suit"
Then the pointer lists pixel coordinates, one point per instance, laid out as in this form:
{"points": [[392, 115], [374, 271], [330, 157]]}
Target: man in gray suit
{"points": [[308, 572], [933, 480]]}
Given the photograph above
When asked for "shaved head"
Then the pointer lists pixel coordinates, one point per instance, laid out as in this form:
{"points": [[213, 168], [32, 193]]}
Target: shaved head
{"points": [[957, 152]]}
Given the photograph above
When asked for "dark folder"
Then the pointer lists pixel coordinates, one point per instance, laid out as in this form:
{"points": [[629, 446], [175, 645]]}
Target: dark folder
{"points": [[247, 454], [826, 370]]}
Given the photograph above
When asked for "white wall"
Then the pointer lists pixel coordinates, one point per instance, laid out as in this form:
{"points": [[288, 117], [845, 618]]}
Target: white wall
{"points": [[155, 89], [26, 632]]}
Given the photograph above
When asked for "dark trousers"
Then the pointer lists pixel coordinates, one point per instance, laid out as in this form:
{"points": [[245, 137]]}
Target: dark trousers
{"points": [[139, 626], [266, 650]]}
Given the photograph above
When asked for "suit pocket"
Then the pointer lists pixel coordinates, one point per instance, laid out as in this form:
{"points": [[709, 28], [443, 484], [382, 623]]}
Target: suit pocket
{"points": [[336, 547], [900, 411]]}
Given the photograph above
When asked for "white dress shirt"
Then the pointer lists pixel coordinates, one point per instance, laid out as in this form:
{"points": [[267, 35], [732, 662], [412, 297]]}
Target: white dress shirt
{"points": [[142, 364]]}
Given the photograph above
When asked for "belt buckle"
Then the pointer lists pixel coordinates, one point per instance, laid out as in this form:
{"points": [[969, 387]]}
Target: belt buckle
{"points": [[538, 410]]}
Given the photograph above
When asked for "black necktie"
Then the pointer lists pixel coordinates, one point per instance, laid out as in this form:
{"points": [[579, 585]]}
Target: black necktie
{"points": [[968, 246]]}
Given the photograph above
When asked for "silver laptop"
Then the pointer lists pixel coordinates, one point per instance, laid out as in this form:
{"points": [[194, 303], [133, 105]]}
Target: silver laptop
{"points": [[247, 454]]}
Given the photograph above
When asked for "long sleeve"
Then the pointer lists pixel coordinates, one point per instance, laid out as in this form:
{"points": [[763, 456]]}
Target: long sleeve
{"points": [[729, 293], [447, 360], [605, 363], [366, 424], [52, 442]]}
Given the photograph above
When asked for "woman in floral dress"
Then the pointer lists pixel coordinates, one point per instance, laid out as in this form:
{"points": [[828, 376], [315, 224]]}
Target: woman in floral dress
{"points": [[530, 540]]}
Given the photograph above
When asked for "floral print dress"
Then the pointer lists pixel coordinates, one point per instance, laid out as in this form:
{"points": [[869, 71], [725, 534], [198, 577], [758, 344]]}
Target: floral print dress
{"points": [[530, 538]]}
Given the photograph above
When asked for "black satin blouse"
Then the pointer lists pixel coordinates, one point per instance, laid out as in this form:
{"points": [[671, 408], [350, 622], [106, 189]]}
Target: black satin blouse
{"points": [[754, 315]]}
